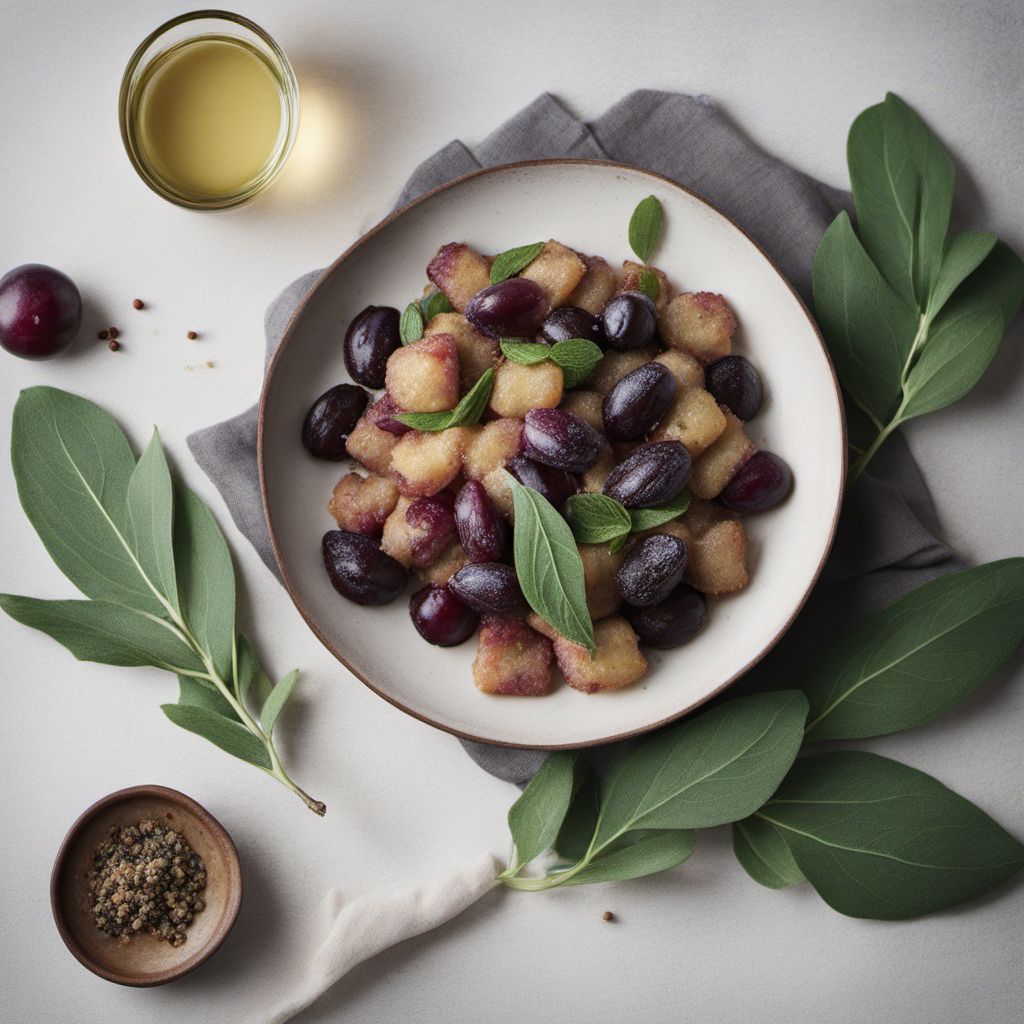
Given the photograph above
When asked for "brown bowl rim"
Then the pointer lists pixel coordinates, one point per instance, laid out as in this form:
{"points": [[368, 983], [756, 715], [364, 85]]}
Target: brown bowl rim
{"points": [[260, 441], [174, 798]]}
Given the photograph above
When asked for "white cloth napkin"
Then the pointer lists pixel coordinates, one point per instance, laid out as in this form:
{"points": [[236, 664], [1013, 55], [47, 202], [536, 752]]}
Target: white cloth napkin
{"points": [[353, 932]]}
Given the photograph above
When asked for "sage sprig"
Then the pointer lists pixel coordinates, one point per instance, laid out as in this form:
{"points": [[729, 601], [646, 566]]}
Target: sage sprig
{"points": [[599, 519], [511, 262], [912, 314], [469, 410], [154, 565], [711, 769], [577, 357]]}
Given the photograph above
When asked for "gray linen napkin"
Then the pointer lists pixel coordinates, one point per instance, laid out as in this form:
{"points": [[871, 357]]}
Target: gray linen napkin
{"points": [[885, 545]]}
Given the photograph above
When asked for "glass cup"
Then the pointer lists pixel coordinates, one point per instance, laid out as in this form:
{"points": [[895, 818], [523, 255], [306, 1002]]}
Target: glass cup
{"points": [[154, 53]]}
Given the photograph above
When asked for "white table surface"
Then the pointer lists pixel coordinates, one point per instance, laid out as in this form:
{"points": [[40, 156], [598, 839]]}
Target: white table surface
{"points": [[382, 87]]}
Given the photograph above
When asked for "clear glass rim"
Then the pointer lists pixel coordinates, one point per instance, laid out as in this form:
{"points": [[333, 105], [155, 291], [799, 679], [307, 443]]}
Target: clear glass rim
{"points": [[288, 82]]}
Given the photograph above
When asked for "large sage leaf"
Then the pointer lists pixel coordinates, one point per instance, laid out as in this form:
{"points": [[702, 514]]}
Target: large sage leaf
{"points": [[763, 853], [73, 465], [150, 514], [902, 182], [709, 770], [206, 580], [229, 735], [534, 819], [869, 328], [881, 840], [644, 852], [549, 567], [920, 656], [577, 829], [999, 281], [958, 352], [104, 632]]}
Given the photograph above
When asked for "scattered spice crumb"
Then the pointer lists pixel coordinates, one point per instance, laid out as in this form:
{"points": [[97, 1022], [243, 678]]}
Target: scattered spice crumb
{"points": [[113, 345], [146, 878], [137, 304], [209, 364], [103, 335], [607, 916], [113, 332], [191, 335]]}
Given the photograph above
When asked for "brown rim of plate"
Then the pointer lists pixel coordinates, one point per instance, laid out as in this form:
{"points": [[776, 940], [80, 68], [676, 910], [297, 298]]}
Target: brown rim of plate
{"points": [[234, 900], [286, 337]]}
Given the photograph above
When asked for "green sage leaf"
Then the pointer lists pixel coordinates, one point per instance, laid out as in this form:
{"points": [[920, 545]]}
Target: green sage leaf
{"points": [[902, 182], [958, 351], [512, 261], [150, 516], [274, 704], [878, 839], [525, 352], [435, 304], [573, 839], [73, 465], [912, 661], [535, 818], [709, 770], [246, 667], [410, 325], [869, 328], [649, 518], [577, 357], [105, 632], [763, 854], [645, 228], [597, 519], [644, 852], [963, 256], [549, 567], [648, 284], [999, 281], [206, 580], [470, 408], [200, 694], [230, 736]]}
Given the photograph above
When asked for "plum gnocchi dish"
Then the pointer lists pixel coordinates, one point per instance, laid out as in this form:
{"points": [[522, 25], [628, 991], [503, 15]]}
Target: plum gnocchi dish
{"points": [[548, 455]]}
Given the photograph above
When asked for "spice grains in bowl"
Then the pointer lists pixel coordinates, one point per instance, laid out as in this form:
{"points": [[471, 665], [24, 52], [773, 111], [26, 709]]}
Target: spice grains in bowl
{"points": [[146, 878]]}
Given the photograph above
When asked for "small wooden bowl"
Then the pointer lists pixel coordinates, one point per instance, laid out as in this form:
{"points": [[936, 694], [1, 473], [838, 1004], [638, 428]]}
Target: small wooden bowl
{"points": [[144, 961]]}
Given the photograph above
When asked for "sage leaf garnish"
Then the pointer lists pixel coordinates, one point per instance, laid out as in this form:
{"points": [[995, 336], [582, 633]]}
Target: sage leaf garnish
{"points": [[649, 518], [597, 519], [274, 704], [577, 357], [534, 819], [915, 659], [912, 316], [717, 767], [435, 304], [525, 352], [549, 567], [763, 853], [513, 261], [645, 227], [879, 839], [410, 324], [648, 284], [470, 408], [153, 560]]}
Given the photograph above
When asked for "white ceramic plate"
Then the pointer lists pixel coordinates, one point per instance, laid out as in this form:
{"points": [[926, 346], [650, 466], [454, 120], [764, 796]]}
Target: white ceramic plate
{"points": [[587, 205]]}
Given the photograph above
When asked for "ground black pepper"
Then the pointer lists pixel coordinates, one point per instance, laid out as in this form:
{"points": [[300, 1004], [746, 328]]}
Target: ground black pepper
{"points": [[113, 332], [146, 878], [113, 345], [191, 335], [137, 304]]}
